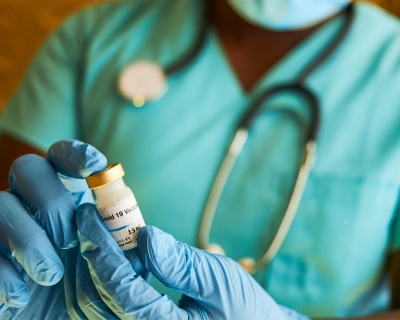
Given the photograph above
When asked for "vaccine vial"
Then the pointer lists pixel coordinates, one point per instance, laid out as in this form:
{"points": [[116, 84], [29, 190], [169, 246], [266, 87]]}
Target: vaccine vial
{"points": [[117, 205]]}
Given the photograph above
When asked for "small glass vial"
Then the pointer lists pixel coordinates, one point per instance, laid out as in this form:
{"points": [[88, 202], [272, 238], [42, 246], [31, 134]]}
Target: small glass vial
{"points": [[117, 205]]}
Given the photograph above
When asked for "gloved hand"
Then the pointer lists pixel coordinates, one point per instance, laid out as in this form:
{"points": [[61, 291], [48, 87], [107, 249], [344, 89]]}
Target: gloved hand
{"points": [[37, 221], [213, 286]]}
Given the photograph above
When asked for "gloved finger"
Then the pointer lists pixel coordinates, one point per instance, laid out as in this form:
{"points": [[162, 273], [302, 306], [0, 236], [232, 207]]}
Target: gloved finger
{"points": [[76, 159], [89, 300], [13, 290], [191, 271], [69, 258], [79, 190], [133, 257], [52, 205], [132, 254], [27, 242], [120, 287]]}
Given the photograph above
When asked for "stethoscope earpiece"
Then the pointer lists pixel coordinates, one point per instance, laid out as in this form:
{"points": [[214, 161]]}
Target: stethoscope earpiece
{"points": [[142, 81]]}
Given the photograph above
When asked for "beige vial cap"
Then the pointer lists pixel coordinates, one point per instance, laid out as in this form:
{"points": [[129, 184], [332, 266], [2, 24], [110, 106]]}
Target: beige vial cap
{"points": [[113, 172]]}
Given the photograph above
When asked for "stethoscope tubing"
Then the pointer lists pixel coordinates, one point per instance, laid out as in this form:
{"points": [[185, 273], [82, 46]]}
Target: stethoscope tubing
{"points": [[298, 191], [218, 186], [297, 88], [309, 157], [182, 62]]}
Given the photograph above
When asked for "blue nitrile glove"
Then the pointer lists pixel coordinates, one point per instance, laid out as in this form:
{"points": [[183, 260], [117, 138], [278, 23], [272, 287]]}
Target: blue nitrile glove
{"points": [[213, 286], [37, 220]]}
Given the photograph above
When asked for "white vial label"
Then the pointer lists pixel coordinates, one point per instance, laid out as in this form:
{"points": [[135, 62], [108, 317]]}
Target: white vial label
{"points": [[123, 220]]}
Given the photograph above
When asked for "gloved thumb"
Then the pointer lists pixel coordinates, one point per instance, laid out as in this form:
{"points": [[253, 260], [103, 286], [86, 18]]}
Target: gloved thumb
{"points": [[196, 273], [213, 286]]}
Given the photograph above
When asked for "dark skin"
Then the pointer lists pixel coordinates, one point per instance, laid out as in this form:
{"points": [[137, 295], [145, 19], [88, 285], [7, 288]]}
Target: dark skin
{"points": [[242, 43]]}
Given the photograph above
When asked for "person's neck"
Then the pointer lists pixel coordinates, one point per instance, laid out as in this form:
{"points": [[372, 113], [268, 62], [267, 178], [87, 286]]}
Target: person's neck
{"points": [[251, 50]]}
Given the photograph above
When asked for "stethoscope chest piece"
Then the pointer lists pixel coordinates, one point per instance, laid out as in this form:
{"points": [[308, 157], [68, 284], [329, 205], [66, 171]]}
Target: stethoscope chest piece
{"points": [[141, 82], [247, 263], [215, 248]]}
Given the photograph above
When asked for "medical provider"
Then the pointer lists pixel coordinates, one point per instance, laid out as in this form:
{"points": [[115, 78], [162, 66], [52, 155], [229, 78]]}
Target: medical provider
{"points": [[340, 257]]}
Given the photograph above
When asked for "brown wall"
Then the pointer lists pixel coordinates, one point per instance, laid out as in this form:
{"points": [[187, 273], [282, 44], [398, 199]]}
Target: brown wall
{"points": [[25, 24]]}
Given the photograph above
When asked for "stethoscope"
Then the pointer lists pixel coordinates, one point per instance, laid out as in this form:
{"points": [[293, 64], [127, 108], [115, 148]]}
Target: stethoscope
{"points": [[145, 81]]}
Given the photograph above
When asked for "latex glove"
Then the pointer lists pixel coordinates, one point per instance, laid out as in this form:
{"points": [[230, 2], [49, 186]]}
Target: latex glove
{"points": [[213, 286], [37, 221]]}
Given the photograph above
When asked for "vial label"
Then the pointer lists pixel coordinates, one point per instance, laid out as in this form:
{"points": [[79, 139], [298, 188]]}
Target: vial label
{"points": [[123, 220]]}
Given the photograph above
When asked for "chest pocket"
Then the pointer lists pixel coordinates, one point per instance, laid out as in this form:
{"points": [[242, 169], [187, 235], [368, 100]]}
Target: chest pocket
{"points": [[336, 248]]}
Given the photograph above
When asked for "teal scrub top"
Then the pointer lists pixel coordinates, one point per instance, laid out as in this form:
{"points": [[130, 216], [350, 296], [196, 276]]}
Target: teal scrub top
{"points": [[333, 260]]}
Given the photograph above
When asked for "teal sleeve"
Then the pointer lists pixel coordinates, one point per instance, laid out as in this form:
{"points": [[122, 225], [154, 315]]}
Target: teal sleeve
{"points": [[42, 111]]}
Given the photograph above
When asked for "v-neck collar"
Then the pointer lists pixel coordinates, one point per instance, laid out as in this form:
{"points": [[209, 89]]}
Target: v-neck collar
{"points": [[287, 68]]}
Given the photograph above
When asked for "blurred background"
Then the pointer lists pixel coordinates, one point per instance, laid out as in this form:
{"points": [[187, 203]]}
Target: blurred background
{"points": [[25, 24]]}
